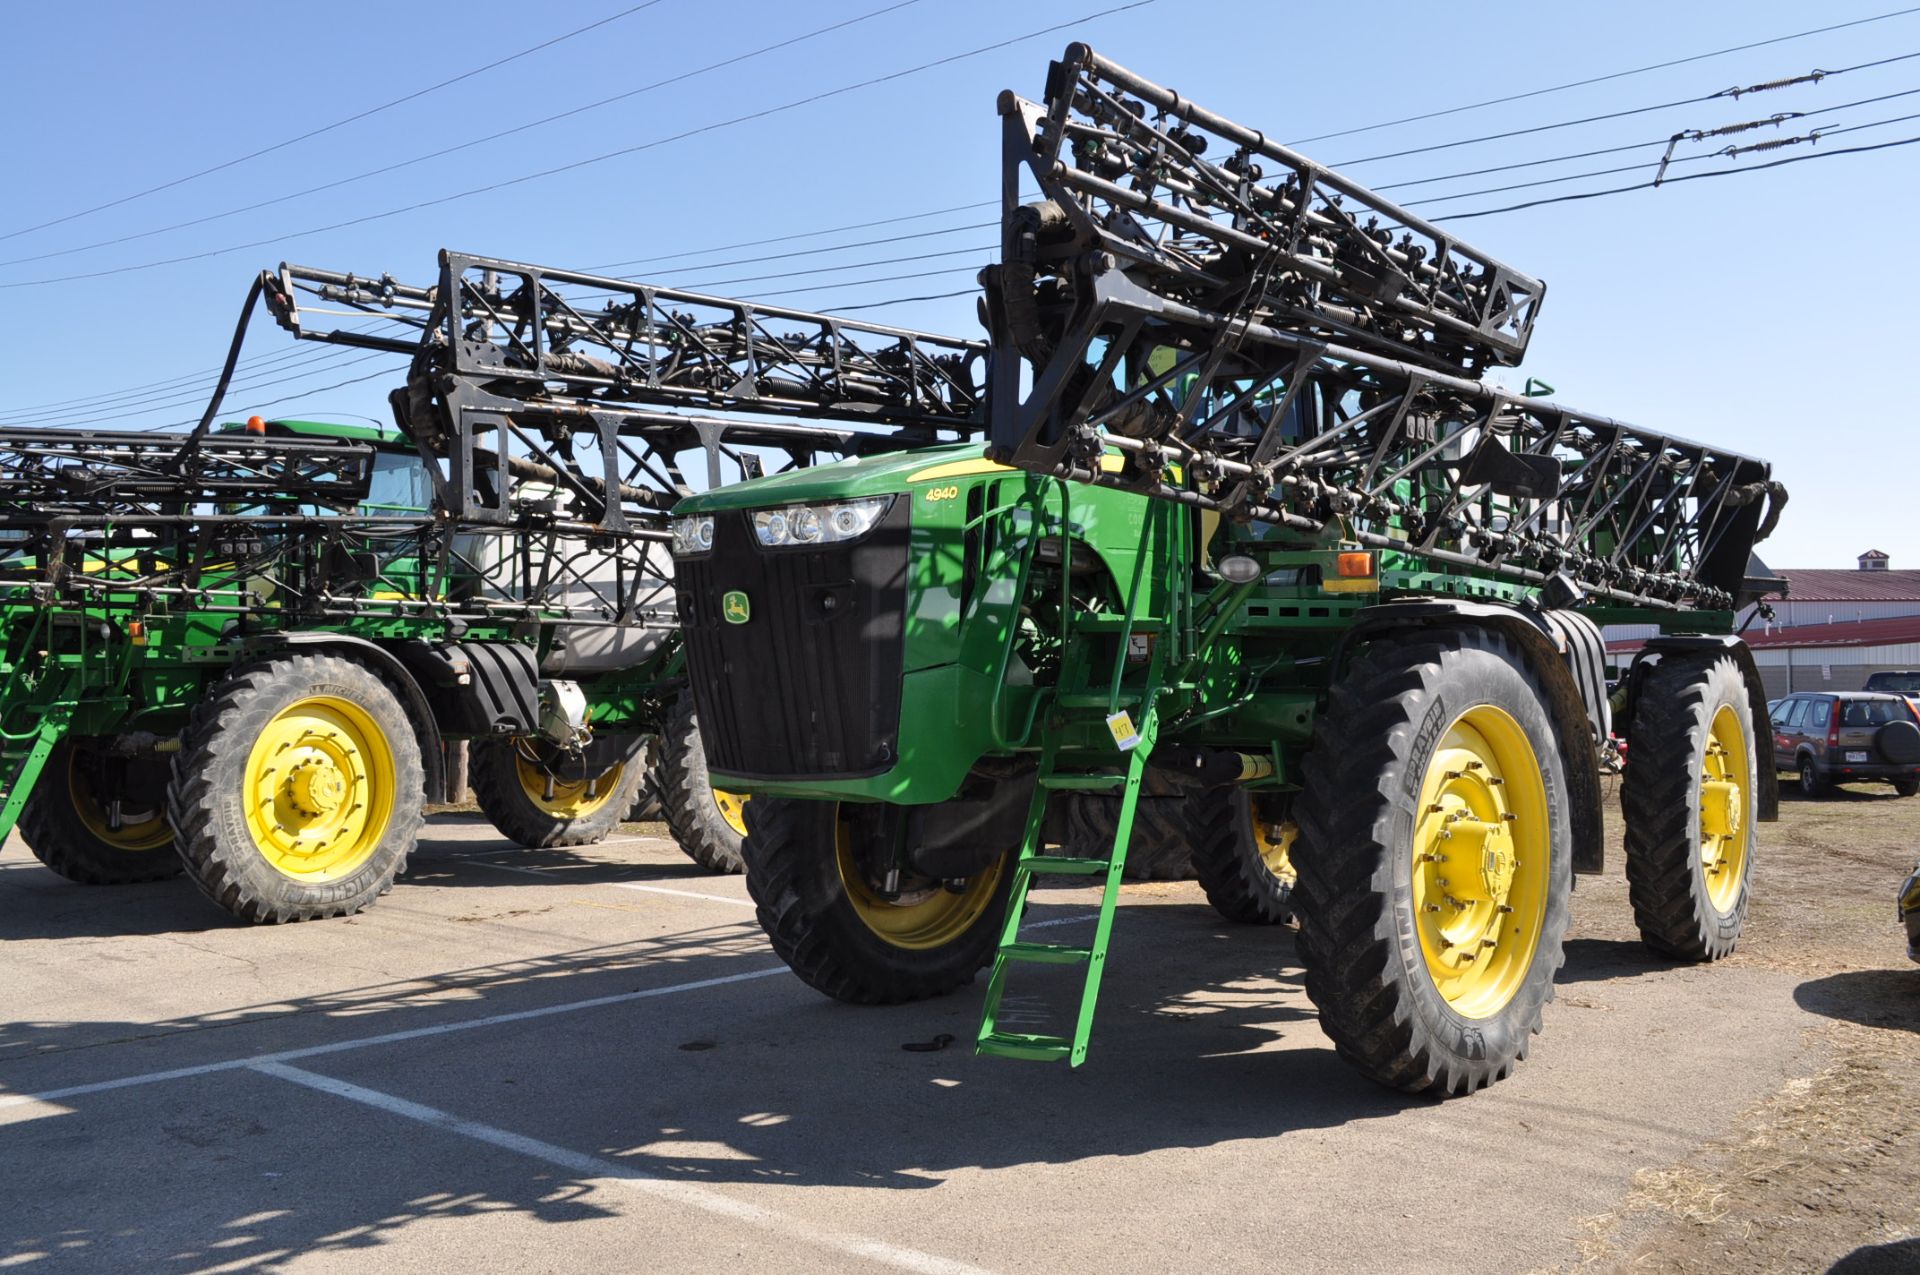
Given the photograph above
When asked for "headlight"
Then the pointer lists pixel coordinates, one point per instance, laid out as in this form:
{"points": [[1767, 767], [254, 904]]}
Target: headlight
{"points": [[692, 535], [819, 524]]}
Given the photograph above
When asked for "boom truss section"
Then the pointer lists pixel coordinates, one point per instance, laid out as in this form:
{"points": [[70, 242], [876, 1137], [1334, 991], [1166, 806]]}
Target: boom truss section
{"points": [[1263, 350]]}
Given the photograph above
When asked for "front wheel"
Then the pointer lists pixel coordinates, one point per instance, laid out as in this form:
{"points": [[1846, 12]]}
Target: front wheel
{"points": [[539, 796], [97, 819], [297, 791], [708, 823], [824, 898], [1435, 861]]}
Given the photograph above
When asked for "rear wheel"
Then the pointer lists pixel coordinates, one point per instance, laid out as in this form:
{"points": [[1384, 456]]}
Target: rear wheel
{"points": [[539, 796], [297, 791], [825, 903], [1160, 849], [1690, 801], [707, 822], [97, 819], [1434, 861], [1906, 787], [1811, 783], [1243, 853]]}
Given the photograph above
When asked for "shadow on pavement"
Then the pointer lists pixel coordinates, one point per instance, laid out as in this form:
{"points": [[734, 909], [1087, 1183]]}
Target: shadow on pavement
{"points": [[1597, 960], [766, 1083]]}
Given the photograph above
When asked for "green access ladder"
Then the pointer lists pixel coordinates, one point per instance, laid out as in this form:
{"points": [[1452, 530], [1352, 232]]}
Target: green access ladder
{"points": [[1126, 712]]}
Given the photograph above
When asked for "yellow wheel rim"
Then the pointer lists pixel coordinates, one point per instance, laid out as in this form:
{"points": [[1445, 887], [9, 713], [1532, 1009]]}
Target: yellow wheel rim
{"points": [[1725, 782], [1275, 843], [319, 789], [927, 916], [563, 798], [1481, 861], [733, 809], [141, 830]]}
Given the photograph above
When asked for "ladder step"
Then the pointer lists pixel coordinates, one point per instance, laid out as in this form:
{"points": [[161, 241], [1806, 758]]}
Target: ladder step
{"points": [[1046, 953], [1095, 699], [1060, 865], [1017, 1045], [1109, 623], [1082, 782]]}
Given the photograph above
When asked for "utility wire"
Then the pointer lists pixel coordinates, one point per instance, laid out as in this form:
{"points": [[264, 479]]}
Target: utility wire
{"points": [[1684, 177], [801, 234], [198, 395], [892, 301], [1608, 115], [623, 151], [339, 123], [299, 354], [466, 145], [273, 402], [1602, 79]]}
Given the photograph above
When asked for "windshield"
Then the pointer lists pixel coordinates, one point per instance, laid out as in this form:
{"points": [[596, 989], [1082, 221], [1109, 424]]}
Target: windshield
{"points": [[1898, 683], [1875, 712]]}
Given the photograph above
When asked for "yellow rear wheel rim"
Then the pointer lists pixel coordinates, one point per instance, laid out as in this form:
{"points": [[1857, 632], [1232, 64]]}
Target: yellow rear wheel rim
{"points": [[1481, 861], [733, 809], [922, 917], [1725, 788], [1275, 843], [564, 798], [319, 789], [139, 831]]}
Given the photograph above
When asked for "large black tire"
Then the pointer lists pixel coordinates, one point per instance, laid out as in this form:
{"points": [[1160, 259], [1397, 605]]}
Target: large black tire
{"points": [[1160, 849], [332, 729], [1906, 787], [1245, 870], [1689, 888], [795, 856], [66, 821], [708, 825], [532, 795], [1403, 715], [646, 802]]}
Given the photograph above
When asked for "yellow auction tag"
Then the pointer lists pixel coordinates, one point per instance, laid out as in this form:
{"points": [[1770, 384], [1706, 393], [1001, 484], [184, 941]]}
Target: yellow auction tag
{"points": [[1121, 726]]}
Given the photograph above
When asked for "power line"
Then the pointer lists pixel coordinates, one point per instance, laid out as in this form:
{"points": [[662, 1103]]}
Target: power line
{"points": [[875, 305], [1815, 136], [185, 397], [1608, 115], [1684, 177], [801, 234], [749, 117], [339, 123], [289, 358], [466, 145], [274, 402], [1601, 79]]}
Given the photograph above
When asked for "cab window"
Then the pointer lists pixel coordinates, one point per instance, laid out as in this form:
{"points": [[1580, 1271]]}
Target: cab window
{"points": [[399, 486]]}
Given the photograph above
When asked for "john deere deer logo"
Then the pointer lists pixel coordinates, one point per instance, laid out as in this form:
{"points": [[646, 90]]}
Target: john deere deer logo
{"points": [[734, 606]]}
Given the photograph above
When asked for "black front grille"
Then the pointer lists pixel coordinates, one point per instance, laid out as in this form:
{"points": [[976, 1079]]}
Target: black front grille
{"points": [[809, 686]]}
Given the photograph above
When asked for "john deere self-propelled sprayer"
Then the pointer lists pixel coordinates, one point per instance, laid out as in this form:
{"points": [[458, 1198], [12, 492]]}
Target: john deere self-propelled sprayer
{"points": [[239, 651], [1252, 539]]}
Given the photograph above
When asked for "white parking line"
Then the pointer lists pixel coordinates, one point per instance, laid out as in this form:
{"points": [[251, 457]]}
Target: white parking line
{"points": [[386, 1038], [593, 1167], [421, 1033], [624, 885]]}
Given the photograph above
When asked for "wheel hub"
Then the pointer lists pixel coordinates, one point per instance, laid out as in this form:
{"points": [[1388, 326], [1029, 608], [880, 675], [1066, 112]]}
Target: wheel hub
{"points": [[316, 787]]}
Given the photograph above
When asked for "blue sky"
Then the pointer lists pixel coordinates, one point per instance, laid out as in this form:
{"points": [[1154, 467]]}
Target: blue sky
{"points": [[1760, 312]]}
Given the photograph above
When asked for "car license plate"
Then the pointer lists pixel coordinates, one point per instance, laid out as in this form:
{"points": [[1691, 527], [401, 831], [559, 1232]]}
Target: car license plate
{"points": [[1861, 756]]}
